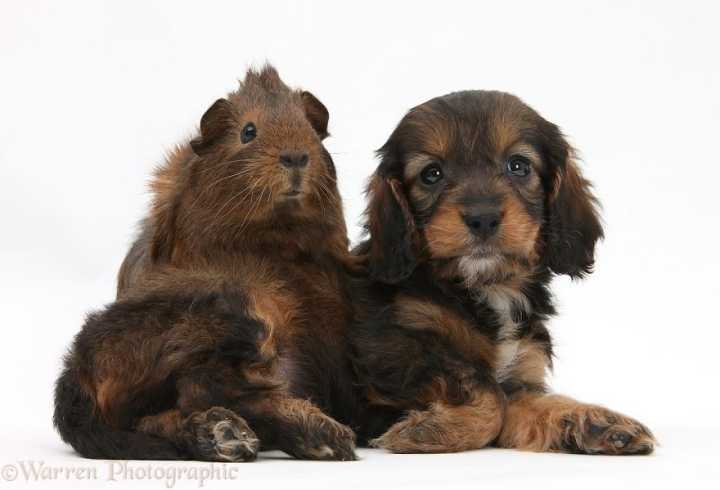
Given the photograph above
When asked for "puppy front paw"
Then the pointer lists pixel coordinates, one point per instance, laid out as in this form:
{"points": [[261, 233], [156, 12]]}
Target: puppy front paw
{"points": [[416, 433], [597, 430]]}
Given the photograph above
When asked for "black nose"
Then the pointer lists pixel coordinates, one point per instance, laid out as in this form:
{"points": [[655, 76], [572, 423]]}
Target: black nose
{"points": [[294, 159], [483, 225]]}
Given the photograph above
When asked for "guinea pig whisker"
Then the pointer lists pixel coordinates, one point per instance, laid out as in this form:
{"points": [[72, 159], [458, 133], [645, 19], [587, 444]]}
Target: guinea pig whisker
{"points": [[214, 166], [322, 188], [243, 172], [237, 160], [328, 183], [255, 205], [216, 182], [240, 196]]}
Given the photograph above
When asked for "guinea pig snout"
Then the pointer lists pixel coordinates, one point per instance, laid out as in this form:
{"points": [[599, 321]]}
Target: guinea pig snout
{"points": [[294, 159]]}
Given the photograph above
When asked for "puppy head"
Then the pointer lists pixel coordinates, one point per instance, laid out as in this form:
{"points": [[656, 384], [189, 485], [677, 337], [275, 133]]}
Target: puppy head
{"points": [[480, 183], [263, 145]]}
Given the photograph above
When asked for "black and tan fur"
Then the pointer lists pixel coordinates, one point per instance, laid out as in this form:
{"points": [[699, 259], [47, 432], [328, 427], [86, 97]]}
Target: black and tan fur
{"points": [[229, 331], [452, 344]]}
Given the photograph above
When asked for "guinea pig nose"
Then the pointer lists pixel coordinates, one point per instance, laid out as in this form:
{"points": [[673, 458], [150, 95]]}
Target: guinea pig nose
{"points": [[294, 159], [483, 225]]}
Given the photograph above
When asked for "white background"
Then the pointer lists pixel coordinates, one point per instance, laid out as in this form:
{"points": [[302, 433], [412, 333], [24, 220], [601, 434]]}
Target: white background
{"points": [[93, 93]]}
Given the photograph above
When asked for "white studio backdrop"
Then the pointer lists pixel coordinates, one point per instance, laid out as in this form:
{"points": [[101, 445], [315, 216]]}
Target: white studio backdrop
{"points": [[92, 94]]}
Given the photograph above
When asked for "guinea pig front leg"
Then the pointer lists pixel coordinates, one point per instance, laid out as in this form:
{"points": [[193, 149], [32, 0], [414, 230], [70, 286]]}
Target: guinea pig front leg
{"points": [[299, 428]]}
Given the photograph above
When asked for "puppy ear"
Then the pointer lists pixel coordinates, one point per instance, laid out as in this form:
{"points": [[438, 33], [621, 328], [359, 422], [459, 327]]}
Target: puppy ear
{"points": [[316, 113], [391, 254], [573, 223], [214, 125]]}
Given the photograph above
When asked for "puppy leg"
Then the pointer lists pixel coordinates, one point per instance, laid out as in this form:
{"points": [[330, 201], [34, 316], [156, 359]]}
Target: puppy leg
{"points": [[215, 434], [445, 428], [299, 428], [546, 422], [408, 361]]}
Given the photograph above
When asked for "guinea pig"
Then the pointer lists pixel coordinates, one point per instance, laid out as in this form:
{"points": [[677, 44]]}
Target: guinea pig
{"points": [[228, 334]]}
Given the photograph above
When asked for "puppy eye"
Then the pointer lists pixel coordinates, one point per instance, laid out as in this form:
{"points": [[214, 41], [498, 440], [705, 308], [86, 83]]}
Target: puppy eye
{"points": [[249, 132], [432, 174], [518, 166]]}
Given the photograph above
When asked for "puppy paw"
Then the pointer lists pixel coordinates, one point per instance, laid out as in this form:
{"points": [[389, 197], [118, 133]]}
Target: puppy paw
{"points": [[218, 434], [596, 430], [416, 433]]}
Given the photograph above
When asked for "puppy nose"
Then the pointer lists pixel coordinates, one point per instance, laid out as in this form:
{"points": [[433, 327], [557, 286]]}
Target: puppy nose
{"points": [[294, 159], [483, 225]]}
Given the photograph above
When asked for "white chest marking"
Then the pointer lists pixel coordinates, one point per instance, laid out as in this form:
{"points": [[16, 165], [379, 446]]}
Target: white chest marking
{"points": [[472, 268], [505, 355], [505, 301]]}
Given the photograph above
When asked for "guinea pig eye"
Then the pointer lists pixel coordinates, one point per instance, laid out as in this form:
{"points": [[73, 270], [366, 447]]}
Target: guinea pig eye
{"points": [[518, 166], [249, 132], [432, 174]]}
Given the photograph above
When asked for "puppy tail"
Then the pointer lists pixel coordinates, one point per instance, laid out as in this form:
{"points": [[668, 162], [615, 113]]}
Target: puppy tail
{"points": [[76, 420]]}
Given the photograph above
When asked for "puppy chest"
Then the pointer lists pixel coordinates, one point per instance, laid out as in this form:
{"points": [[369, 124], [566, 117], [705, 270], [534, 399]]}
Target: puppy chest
{"points": [[511, 308]]}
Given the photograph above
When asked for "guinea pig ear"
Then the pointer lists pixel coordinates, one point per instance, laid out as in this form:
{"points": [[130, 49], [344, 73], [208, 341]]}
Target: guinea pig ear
{"points": [[316, 113], [214, 125], [391, 254], [573, 222]]}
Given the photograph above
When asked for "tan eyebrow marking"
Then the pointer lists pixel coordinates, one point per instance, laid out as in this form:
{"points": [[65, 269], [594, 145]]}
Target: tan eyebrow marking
{"points": [[415, 163], [526, 150]]}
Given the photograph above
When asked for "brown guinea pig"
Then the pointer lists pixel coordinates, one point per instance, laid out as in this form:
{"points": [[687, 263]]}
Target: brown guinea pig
{"points": [[232, 303]]}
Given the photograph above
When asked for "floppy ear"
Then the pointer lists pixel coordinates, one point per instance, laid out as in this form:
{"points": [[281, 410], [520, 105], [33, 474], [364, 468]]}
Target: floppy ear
{"points": [[573, 223], [391, 255], [214, 124], [316, 113]]}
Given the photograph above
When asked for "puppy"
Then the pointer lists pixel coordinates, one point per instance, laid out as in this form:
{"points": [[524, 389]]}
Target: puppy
{"points": [[229, 331], [476, 204]]}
